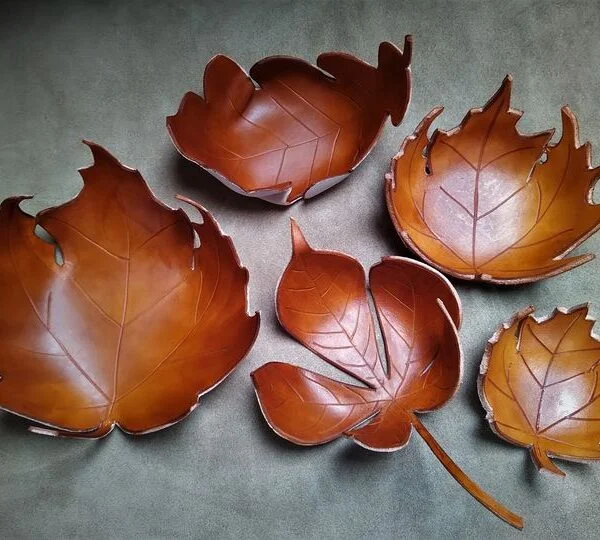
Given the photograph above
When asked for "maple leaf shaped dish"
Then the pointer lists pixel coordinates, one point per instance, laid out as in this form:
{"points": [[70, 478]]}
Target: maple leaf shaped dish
{"points": [[539, 385], [322, 301], [302, 130], [485, 202], [134, 325]]}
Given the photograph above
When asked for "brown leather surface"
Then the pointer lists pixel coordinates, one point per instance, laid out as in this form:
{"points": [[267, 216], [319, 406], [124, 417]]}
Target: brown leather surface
{"points": [[302, 125], [539, 384], [322, 301], [133, 326], [485, 202]]}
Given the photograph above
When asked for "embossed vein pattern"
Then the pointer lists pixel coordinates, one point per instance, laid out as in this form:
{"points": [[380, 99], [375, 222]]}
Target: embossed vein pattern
{"points": [[322, 301], [299, 127], [121, 333], [478, 202], [540, 384]]}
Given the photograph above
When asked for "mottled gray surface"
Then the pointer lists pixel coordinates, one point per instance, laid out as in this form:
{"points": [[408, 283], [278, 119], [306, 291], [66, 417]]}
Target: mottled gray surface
{"points": [[111, 72]]}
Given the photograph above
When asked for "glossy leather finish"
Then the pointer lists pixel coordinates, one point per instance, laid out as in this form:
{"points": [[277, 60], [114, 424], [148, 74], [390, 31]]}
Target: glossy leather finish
{"points": [[322, 301], [485, 202], [134, 325], [302, 130], [539, 383]]}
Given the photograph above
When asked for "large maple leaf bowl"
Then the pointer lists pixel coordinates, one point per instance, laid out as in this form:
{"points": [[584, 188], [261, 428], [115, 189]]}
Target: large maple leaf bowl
{"points": [[134, 325], [301, 130], [485, 202]]}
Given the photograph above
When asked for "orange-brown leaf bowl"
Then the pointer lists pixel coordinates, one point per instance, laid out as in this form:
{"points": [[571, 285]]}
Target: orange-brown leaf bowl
{"points": [[323, 302], [133, 325], [485, 202], [301, 130], [539, 385]]}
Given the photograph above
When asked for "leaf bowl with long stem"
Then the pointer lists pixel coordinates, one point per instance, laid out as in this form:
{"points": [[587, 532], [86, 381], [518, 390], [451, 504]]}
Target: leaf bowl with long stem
{"points": [[323, 302]]}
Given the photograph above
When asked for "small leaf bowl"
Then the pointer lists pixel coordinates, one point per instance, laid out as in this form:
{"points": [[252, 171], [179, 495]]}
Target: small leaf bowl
{"points": [[540, 385]]}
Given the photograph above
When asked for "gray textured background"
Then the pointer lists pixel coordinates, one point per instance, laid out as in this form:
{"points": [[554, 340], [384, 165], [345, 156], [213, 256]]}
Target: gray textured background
{"points": [[111, 72]]}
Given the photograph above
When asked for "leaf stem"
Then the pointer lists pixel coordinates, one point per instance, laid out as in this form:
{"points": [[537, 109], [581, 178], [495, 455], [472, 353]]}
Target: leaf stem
{"points": [[484, 498], [543, 462]]}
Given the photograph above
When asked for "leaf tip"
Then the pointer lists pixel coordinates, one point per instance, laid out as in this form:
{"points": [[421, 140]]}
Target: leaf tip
{"points": [[506, 86], [387, 49], [15, 201], [519, 523], [253, 377], [299, 243], [192, 203], [570, 127], [502, 95], [102, 156], [407, 49], [388, 53], [95, 148]]}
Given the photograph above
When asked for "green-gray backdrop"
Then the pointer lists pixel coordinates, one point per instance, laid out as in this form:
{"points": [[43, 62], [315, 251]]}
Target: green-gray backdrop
{"points": [[110, 72]]}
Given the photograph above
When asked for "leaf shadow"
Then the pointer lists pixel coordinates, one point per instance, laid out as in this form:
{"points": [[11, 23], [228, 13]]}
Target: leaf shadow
{"points": [[73, 454], [484, 433], [383, 474], [384, 227], [199, 185], [537, 478], [11, 424], [167, 435], [351, 454], [269, 437], [470, 387], [184, 427], [580, 469], [330, 191], [513, 289]]}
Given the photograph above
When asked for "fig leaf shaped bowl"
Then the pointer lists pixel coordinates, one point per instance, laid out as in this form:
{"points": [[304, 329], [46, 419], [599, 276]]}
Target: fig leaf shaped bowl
{"points": [[485, 202], [323, 302], [132, 325], [301, 130], [539, 385]]}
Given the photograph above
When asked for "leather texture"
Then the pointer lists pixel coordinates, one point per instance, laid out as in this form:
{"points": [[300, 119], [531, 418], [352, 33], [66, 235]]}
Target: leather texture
{"points": [[133, 326], [322, 301], [302, 130], [539, 384], [484, 202], [112, 72]]}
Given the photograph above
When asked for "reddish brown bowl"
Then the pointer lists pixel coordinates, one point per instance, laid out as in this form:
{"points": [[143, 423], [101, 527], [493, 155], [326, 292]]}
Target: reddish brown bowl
{"points": [[539, 383], [133, 326], [485, 202], [323, 302], [300, 130]]}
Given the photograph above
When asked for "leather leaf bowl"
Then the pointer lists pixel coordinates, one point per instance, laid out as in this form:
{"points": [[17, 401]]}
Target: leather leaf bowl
{"points": [[539, 385], [133, 326], [322, 301], [485, 202], [301, 130]]}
